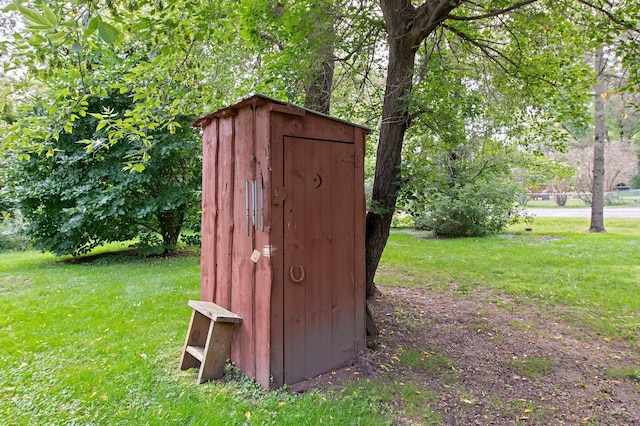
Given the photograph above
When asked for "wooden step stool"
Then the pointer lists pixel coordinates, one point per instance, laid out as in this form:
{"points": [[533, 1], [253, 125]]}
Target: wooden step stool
{"points": [[208, 340]]}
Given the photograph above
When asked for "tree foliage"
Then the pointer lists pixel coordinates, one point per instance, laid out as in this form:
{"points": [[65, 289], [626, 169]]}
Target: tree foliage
{"points": [[508, 34], [173, 59], [80, 198], [108, 89], [480, 120], [312, 52]]}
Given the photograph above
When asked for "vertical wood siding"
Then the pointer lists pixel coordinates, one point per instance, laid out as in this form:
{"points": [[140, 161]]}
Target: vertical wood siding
{"points": [[209, 210], [309, 169], [267, 248], [225, 192], [242, 285]]}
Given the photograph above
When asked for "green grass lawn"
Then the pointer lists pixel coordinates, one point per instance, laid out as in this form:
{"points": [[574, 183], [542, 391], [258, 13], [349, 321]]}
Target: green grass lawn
{"points": [[619, 199], [98, 341], [551, 203], [596, 277]]}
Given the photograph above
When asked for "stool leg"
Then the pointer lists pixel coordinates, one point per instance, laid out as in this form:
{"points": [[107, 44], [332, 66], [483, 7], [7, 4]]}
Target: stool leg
{"points": [[216, 352], [196, 336]]}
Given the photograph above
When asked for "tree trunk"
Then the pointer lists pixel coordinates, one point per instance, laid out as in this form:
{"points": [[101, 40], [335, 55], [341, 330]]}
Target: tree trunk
{"points": [[319, 84], [406, 28], [170, 224], [395, 121], [318, 92], [597, 198]]}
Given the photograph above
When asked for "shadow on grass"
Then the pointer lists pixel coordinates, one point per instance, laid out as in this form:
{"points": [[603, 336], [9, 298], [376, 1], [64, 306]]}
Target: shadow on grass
{"points": [[129, 254]]}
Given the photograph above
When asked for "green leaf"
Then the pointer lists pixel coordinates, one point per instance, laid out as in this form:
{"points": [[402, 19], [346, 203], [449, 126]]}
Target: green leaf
{"points": [[37, 27], [76, 47], [57, 38], [35, 18], [108, 32], [12, 6], [92, 26], [49, 15]]}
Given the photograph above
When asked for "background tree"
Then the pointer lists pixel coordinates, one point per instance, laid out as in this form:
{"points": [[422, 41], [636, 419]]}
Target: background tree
{"points": [[597, 177], [305, 49], [621, 164], [408, 26], [105, 88], [617, 126], [77, 199]]}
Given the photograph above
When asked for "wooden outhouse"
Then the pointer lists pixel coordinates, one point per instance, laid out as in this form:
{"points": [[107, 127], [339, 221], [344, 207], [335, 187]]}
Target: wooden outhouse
{"points": [[283, 222]]}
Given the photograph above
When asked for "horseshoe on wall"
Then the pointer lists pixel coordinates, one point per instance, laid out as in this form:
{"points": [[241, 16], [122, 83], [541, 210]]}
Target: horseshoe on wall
{"points": [[292, 275]]}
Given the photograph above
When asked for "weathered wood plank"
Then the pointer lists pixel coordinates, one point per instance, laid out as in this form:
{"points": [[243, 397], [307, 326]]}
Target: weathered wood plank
{"points": [[276, 224], [242, 275], [216, 351], [295, 262], [360, 206], [263, 272], [196, 336], [318, 127], [225, 192], [214, 312], [196, 351], [319, 185], [343, 260], [209, 209]]}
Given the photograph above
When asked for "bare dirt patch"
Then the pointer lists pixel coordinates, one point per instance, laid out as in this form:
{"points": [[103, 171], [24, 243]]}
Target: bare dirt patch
{"points": [[481, 359], [10, 284]]}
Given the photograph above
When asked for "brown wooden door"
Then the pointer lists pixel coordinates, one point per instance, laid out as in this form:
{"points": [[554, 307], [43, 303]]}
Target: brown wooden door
{"points": [[319, 257]]}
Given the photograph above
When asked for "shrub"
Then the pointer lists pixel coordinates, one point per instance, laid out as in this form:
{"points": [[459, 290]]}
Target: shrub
{"points": [[474, 209], [561, 199], [11, 232], [79, 197]]}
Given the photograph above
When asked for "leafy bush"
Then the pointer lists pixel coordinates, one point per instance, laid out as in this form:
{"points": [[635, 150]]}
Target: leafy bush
{"points": [[474, 209], [77, 197], [402, 220], [11, 232], [194, 240], [150, 245]]}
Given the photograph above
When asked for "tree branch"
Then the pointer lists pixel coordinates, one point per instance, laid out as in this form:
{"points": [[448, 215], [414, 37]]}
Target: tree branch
{"points": [[178, 69], [147, 226], [489, 51], [429, 15], [610, 15], [493, 13]]}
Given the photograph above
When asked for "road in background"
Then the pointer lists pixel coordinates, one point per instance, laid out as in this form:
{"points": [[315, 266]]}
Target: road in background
{"points": [[611, 212]]}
